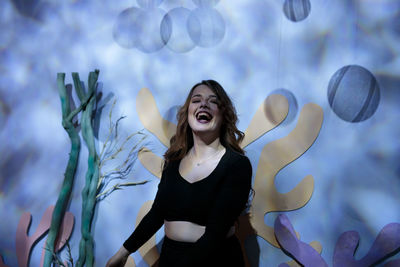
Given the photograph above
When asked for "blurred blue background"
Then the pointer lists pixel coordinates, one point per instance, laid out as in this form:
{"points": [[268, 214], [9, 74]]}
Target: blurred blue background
{"points": [[342, 55]]}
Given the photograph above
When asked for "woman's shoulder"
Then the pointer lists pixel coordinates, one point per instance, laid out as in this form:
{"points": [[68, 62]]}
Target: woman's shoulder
{"points": [[234, 155], [238, 168], [237, 161]]}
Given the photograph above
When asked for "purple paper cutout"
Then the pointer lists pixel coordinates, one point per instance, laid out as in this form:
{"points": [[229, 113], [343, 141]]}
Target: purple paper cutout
{"points": [[300, 251], [386, 243], [345, 248], [2, 264], [393, 263]]}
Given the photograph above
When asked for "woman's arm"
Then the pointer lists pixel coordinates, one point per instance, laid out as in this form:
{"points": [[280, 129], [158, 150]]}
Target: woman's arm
{"points": [[150, 223], [147, 227], [119, 259]]}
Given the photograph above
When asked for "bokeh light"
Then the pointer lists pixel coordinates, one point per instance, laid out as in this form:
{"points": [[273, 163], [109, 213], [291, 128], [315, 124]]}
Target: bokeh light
{"points": [[126, 28], [206, 27], [149, 37], [149, 3], [174, 31], [205, 3]]}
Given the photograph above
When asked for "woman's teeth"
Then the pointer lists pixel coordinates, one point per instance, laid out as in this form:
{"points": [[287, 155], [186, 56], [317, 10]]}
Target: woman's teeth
{"points": [[203, 117]]}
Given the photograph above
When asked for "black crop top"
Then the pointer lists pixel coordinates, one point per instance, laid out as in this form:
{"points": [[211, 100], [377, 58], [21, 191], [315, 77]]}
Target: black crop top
{"points": [[214, 202]]}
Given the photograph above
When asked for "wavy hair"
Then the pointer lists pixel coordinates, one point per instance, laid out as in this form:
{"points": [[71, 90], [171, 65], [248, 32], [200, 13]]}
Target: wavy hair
{"points": [[230, 135]]}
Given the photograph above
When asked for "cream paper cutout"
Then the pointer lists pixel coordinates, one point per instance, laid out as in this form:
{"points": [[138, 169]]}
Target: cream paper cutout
{"points": [[130, 262], [274, 157], [151, 118], [269, 114], [152, 162]]}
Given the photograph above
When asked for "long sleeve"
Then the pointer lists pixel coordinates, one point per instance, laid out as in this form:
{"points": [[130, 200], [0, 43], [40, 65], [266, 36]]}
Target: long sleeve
{"points": [[150, 223], [229, 203]]}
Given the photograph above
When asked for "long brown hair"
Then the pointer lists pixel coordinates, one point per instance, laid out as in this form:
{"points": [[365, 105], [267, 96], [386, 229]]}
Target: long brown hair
{"points": [[230, 135]]}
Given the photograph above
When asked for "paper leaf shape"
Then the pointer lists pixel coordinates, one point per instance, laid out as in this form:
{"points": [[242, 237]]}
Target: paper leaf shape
{"points": [[25, 243], [151, 161], [393, 263], [302, 252], [268, 115], [386, 243], [151, 118], [130, 262], [274, 157], [314, 244], [2, 264]]}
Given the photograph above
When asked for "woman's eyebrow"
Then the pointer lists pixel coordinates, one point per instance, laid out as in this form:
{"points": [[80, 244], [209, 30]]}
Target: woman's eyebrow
{"points": [[198, 95]]}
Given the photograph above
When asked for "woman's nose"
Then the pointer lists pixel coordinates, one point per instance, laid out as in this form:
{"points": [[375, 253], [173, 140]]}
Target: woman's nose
{"points": [[204, 103]]}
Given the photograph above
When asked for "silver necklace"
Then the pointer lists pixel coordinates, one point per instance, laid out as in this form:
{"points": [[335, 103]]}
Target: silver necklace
{"points": [[202, 161]]}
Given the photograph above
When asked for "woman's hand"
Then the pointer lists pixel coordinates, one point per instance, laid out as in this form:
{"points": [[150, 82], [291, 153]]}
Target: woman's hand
{"points": [[119, 259]]}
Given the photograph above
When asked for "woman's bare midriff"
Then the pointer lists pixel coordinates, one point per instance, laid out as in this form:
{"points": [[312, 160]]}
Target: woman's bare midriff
{"points": [[187, 231]]}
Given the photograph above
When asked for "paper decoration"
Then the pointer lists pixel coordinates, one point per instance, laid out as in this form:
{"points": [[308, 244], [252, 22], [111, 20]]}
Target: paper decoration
{"points": [[274, 157], [25, 243], [269, 114], [299, 250], [386, 244], [151, 118]]}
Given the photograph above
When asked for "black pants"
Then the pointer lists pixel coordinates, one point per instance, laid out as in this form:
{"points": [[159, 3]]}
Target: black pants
{"points": [[229, 254]]}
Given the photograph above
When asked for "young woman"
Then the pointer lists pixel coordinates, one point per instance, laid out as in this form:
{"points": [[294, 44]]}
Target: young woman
{"points": [[204, 187]]}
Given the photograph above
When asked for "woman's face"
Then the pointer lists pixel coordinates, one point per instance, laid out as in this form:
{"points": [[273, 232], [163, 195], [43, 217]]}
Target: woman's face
{"points": [[204, 114]]}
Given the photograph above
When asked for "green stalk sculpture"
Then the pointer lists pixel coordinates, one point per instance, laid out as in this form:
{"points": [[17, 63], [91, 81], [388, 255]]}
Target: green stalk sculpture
{"points": [[66, 189], [89, 192]]}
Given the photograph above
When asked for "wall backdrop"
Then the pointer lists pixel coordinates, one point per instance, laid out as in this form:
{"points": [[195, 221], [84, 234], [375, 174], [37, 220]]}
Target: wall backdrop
{"points": [[342, 58]]}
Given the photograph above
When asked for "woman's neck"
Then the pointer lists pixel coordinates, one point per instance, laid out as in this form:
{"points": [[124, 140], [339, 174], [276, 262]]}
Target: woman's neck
{"points": [[203, 148]]}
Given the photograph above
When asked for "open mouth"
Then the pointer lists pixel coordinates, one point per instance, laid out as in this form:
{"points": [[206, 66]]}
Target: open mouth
{"points": [[203, 117]]}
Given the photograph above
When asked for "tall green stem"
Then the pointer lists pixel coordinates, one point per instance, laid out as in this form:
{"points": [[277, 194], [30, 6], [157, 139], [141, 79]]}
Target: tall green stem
{"points": [[66, 189], [86, 245]]}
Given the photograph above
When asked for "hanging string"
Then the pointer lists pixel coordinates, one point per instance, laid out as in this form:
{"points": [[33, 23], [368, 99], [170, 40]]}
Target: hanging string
{"points": [[278, 68]]}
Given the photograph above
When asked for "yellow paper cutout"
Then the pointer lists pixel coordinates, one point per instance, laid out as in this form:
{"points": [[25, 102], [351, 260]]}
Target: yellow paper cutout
{"points": [[269, 114], [149, 250], [130, 262], [151, 118], [151, 161], [274, 157]]}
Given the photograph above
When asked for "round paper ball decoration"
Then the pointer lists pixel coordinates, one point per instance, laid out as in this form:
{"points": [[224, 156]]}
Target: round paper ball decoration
{"points": [[296, 10], [353, 93]]}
